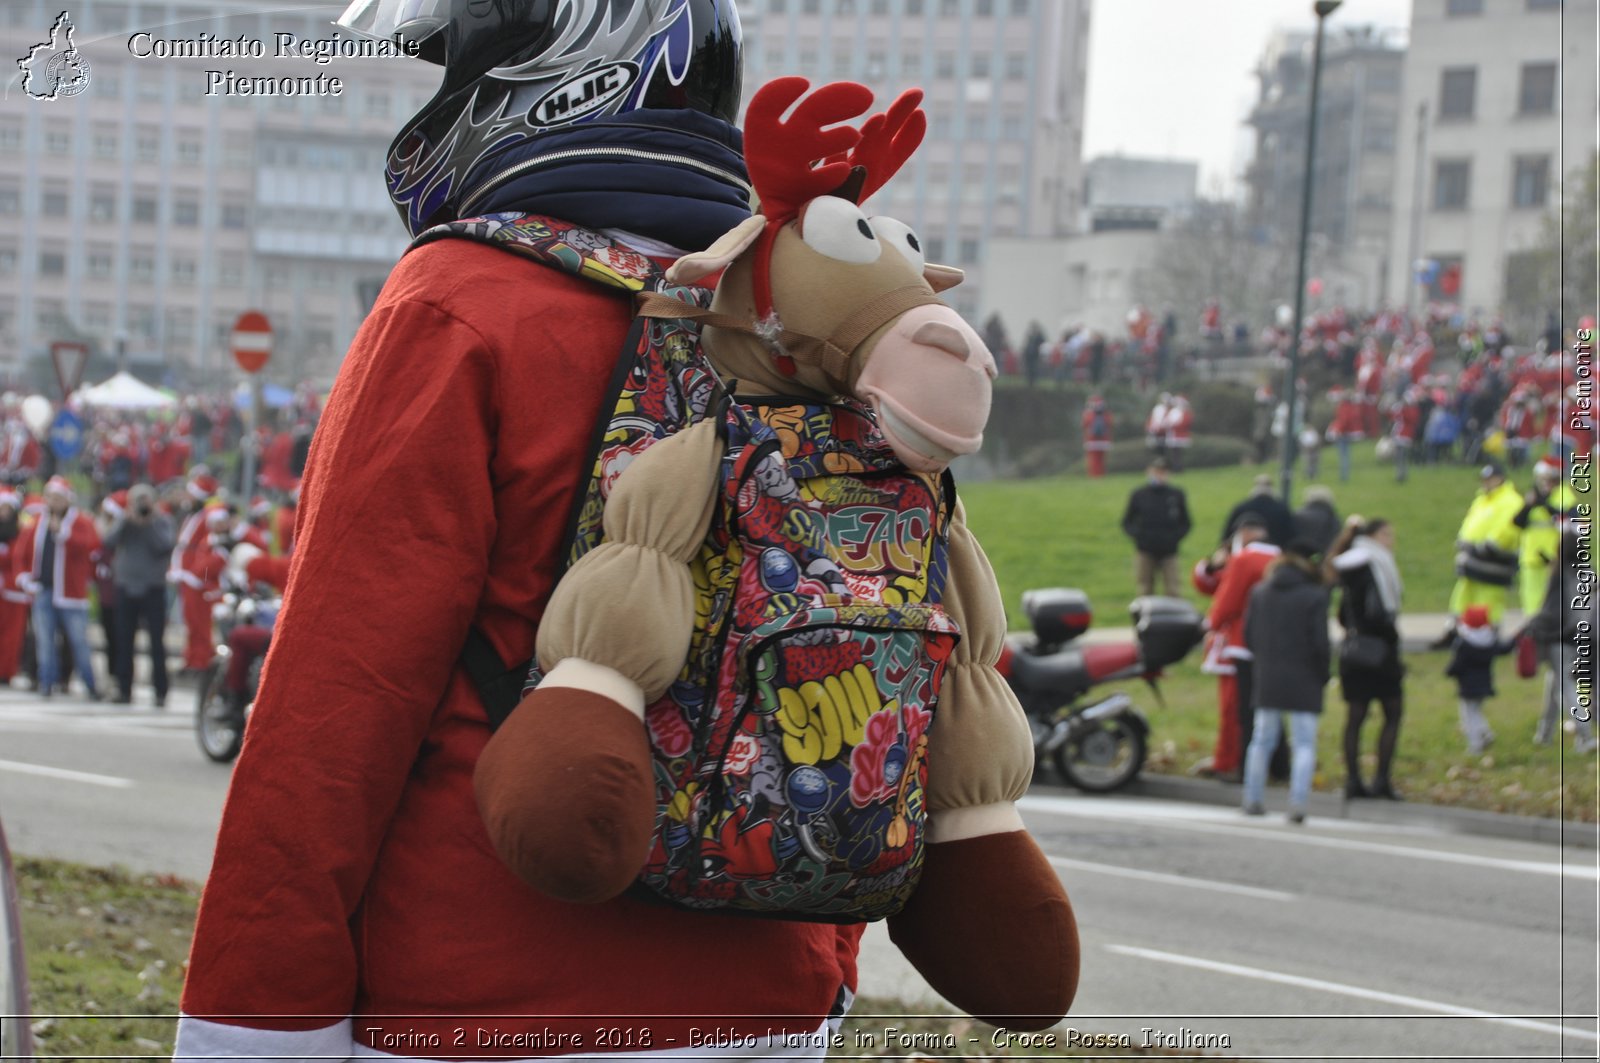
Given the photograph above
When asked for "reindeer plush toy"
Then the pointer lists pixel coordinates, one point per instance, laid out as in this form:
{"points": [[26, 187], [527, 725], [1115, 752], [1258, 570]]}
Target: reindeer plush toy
{"points": [[836, 313]]}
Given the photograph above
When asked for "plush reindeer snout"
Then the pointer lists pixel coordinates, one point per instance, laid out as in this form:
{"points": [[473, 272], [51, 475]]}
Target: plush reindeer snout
{"points": [[929, 377]]}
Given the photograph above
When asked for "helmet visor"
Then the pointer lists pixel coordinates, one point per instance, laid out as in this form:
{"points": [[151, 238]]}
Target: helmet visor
{"points": [[395, 20]]}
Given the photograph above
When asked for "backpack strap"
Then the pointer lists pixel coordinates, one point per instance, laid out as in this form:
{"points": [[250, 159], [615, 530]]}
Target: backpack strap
{"points": [[593, 256]]}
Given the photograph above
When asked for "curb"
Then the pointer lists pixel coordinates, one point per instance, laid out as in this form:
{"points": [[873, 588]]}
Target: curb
{"points": [[1394, 813]]}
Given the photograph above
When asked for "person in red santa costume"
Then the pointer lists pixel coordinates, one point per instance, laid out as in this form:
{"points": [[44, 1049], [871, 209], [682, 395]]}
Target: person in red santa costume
{"points": [[356, 905], [57, 560], [1405, 428], [1178, 431], [1369, 388], [1347, 427], [1227, 577], [1096, 435], [186, 559], [14, 601], [283, 524]]}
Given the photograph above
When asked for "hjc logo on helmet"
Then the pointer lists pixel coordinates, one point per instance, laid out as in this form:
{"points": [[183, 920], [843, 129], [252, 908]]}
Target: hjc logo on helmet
{"points": [[591, 91]]}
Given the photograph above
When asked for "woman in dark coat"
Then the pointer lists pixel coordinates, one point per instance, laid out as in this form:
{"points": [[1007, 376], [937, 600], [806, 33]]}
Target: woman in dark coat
{"points": [[1286, 631], [1361, 560]]}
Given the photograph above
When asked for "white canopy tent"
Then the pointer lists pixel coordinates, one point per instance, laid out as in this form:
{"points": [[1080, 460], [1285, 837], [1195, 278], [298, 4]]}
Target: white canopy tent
{"points": [[125, 392]]}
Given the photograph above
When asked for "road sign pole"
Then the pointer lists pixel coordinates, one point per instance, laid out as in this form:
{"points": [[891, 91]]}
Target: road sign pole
{"points": [[247, 488]]}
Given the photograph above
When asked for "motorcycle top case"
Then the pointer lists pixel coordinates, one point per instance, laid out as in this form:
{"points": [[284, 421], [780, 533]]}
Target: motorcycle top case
{"points": [[1058, 614], [1167, 628]]}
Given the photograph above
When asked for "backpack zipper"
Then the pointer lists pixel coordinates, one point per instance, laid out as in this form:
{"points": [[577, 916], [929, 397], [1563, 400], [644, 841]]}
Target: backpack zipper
{"points": [[468, 205]]}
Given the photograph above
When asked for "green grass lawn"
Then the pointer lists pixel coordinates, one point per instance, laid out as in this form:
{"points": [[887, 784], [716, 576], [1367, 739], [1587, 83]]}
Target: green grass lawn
{"points": [[1066, 531]]}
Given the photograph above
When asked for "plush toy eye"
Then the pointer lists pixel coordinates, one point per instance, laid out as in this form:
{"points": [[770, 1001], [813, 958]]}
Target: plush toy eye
{"points": [[902, 238], [836, 227]]}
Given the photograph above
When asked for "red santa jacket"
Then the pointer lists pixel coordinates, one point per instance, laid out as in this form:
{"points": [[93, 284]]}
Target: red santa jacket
{"points": [[76, 544], [1346, 422], [11, 588], [191, 540], [1179, 424], [1096, 428], [1229, 588], [369, 887], [1406, 422]]}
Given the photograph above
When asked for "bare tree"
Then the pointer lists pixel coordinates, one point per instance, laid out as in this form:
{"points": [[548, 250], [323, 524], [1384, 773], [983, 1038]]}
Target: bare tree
{"points": [[1560, 274], [1213, 254]]}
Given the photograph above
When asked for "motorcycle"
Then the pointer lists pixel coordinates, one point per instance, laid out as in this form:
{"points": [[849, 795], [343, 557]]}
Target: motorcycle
{"points": [[245, 609], [1100, 746]]}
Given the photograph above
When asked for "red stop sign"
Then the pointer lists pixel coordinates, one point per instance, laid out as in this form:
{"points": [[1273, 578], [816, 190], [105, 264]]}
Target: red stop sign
{"points": [[252, 341]]}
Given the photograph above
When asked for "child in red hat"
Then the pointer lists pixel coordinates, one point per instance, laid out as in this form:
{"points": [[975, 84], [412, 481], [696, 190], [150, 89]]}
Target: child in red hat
{"points": [[1474, 646]]}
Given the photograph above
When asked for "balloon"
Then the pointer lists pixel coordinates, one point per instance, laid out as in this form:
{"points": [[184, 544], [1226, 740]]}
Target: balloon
{"points": [[37, 414]]}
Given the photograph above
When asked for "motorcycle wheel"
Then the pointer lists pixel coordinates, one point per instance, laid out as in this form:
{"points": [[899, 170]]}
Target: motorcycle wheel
{"points": [[1107, 756], [216, 724]]}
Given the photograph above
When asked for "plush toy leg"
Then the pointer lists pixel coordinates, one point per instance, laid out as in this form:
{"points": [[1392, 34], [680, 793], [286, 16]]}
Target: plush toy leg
{"points": [[991, 929], [564, 790]]}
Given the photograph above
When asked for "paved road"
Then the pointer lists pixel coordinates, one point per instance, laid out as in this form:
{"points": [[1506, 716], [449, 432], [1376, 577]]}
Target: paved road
{"points": [[1337, 939]]}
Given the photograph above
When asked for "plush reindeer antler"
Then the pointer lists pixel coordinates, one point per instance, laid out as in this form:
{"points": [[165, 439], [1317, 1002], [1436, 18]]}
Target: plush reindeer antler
{"points": [[783, 156], [888, 140]]}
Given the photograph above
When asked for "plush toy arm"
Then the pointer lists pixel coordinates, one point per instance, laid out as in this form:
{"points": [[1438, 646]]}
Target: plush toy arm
{"points": [[565, 785], [989, 926], [980, 740], [628, 604]]}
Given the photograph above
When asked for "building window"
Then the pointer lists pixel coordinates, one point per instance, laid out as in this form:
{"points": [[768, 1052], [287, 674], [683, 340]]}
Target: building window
{"points": [[52, 264], [235, 216], [189, 152], [1021, 7], [10, 136], [186, 212], [1536, 93], [985, 8], [914, 8], [980, 65], [969, 252], [1530, 183], [880, 7], [230, 273], [10, 200], [100, 265], [949, 8], [145, 209], [945, 65], [57, 141], [935, 247], [236, 149], [1458, 8], [1544, 5], [55, 204], [1452, 180], [105, 145], [103, 204], [142, 265], [183, 270], [147, 145], [1017, 66], [8, 261], [97, 317], [142, 321], [811, 7], [777, 7], [1458, 91]]}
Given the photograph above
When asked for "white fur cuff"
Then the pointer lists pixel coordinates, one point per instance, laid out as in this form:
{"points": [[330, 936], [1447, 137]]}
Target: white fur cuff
{"points": [[958, 824], [577, 674]]}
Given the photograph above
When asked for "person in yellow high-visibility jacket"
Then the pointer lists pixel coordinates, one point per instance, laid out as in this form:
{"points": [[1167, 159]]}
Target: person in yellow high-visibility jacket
{"points": [[1486, 545], [1549, 501]]}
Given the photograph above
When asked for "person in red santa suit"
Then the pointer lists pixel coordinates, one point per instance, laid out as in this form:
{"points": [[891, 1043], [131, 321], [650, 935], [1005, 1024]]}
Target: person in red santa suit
{"points": [[1178, 431], [1519, 421], [58, 562], [355, 900], [283, 524], [1405, 428], [1096, 435], [198, 646], [1227, 577], [1369, 388], [22, 453], [1347, 427], [14, 601]]}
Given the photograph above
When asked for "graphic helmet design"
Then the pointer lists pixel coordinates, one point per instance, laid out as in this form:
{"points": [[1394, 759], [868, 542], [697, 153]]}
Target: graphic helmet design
{"points": [[514, 69]]}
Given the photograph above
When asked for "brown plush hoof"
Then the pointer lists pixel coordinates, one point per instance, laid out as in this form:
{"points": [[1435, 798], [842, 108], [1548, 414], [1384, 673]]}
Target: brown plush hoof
{"points": [[564, 790], [992, 931]]}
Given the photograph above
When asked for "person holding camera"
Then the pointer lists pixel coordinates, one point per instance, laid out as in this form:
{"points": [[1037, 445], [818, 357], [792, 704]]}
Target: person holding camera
{"points": [[143, 539]]}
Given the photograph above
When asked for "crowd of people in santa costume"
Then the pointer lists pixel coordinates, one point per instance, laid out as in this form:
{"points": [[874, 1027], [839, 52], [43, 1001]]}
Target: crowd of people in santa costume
{"points": [[152, 541]]}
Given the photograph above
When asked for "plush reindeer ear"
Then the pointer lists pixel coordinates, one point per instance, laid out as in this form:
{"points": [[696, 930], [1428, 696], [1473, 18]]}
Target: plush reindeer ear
{"points": [[719, 255], [941, 278]]}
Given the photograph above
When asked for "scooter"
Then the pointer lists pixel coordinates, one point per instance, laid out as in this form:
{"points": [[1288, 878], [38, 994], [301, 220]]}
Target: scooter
{"points": [[1100, 746], [220, 714]]}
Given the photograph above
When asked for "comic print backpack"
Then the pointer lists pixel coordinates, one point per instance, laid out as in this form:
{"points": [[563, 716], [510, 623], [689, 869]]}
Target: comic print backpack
{"points": [[790, 754]]}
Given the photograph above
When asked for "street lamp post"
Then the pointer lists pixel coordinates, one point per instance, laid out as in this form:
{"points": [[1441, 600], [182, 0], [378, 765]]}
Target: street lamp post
{"points": [[1323, 9]]}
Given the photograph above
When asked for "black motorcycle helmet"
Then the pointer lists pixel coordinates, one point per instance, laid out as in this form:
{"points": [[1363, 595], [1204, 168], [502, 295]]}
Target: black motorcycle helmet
{"points": [[514, 69]]}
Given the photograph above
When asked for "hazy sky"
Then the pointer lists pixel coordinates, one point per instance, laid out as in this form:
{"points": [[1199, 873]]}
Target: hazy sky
{"points": [[1173, 78]]}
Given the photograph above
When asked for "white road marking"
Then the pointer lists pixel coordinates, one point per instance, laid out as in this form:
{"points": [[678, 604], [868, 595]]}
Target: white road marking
{"points": [[1070, 807], [65, 773], [1381, 997], [1171, 880]]}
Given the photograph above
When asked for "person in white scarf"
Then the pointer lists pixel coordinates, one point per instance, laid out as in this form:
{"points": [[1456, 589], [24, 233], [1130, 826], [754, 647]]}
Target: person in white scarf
{"points": [[1362, 561]]}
